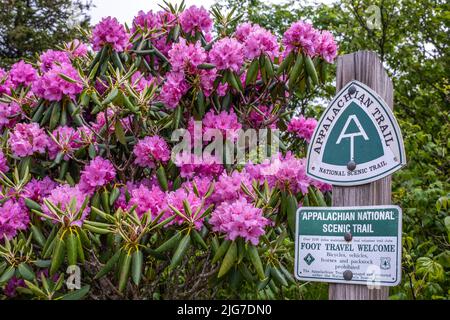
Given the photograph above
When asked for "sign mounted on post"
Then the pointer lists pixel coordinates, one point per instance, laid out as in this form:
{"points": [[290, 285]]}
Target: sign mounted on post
{"points": [[351, 245], [357, 140]]}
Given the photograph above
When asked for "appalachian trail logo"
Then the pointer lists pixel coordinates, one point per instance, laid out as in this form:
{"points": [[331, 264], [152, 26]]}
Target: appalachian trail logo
{"points": [[357, 140]]}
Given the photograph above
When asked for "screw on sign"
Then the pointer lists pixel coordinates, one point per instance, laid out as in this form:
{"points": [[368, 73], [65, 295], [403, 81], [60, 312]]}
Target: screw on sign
{"points": [[356, 147]]}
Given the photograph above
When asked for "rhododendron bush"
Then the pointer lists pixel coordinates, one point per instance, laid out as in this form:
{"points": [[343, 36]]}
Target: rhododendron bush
{"points": [[91, 180]]}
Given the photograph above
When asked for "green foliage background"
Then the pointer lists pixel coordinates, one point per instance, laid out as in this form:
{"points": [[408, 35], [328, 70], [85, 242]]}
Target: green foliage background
{"points": [[413, 42]]}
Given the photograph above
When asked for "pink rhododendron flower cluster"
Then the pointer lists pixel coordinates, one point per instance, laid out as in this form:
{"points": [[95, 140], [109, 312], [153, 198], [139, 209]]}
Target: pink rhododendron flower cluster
{"points": [[22, 73], [302, 127], [302, 37], [13, 218], [110, 32], [68, 140], [147, 199], [52, 57], [225, 122], [9, 114], [27, 139], [53, 87], [140, 82], [96, 174], [5, 82], [239, 219], [195, 19], [143, 20], [176, 198], [227, 53], [228, 187], [187, 56], [173, 89], [284, 172], [191, 165], [37, 190], [3, 162], [257, 41], [76, 48], [150, 151], [266, 119], [62, 196], [327, 48]]}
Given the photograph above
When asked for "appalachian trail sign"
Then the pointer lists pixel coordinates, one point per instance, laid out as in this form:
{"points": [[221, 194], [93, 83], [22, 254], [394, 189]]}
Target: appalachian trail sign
{"points": [[357, 145], [351, 245], [357, 140]]}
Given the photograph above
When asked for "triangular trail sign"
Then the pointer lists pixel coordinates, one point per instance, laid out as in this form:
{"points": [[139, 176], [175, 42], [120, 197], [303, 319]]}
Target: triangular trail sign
{"points": [[357, 140]]}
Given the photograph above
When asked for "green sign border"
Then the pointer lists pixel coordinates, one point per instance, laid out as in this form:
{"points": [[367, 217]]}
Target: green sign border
{"points": [[398, 271], [395, 126]]}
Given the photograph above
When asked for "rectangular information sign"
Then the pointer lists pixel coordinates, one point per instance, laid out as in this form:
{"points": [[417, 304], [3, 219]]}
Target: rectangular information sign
{"points": [[352, 245]]}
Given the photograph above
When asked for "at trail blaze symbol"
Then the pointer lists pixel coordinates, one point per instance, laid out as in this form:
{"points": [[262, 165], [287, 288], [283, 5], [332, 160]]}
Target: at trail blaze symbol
{"points": [[352, 135], [358, 127]]}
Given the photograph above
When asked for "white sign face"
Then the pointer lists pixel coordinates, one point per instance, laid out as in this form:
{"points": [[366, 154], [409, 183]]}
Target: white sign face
{"points": [[351, 245], [357, 140]]}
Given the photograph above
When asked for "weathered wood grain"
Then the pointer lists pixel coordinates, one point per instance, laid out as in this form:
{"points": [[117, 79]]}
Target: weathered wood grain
{"points": [[366, 67]]}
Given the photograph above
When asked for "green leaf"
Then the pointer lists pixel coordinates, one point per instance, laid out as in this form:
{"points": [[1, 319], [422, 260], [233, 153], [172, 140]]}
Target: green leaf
{"points": [[124, 271], [58, 255], [55, 116], [137, 266], [228, 260], [255, 259], [7, 274], [311, 70], [119, 132], [221, 251], [77, 294], [162, 179], [26, 272], [295, 71], [252, 72], [37, 235], [108, 266], [206, 66], [71, 246], [196, 237], [169, 244], [291, 209], [180, 252], [278, 277], [111, 96]]}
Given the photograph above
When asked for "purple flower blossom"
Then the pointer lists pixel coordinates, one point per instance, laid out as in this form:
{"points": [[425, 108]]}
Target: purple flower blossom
{"points": [[226, 122], [62, 197], [186, 56], [110, 32], [5, 82], [195, 19], [140, 82], [239, 219], [68, 140], [173, 89], [22, 73], [176, 198], [52, 57], [228, 187], [227, 53], [3, 163], [192, 165], [76, 48], [257, 119], [52, 86], [97, 173], [37, 190], [10, 289], [148, 199], [13, 217], [302, 127], [150, 151], [327, 47], [28, 138], [144, 21], [260, 41], [302, 37], [9, 114]]}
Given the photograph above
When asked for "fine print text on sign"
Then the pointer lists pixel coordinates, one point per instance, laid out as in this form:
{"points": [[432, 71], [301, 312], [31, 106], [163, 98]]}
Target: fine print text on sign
{"points": [[352, 245], [357, 140]]}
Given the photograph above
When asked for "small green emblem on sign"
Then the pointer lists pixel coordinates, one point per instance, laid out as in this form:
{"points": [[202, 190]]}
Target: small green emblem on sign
{"points": [[309, 259]]}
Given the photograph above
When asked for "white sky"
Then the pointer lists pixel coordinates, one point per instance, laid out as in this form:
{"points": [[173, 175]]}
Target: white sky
{"points": [[125, 10]]}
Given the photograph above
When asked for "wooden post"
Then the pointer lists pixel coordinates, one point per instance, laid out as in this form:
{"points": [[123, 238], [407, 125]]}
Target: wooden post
{"points": [[366, 67]]}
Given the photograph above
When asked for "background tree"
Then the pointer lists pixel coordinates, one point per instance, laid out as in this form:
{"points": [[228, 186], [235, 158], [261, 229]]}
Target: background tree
{"points": [[412, 40], [30, 26]]}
